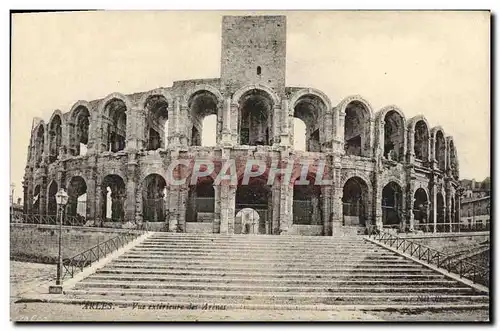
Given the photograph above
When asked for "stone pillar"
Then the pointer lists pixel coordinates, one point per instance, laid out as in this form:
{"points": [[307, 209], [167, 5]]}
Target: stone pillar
{"points": [[410, 203], [183, 197], [448, 210], [173, 124], [433, 190], [371, 143], [131, 188], [43, 193], [173, 211], [377, 202], [184, 126], [326, 192], [340, 132], [411, 146], [284, 127], [285, 207], [228, 205], [234, 123], [227, 138], [217, 209]]}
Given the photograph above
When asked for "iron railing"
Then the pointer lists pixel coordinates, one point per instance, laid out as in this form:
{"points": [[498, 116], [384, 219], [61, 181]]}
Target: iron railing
{"points": [[95, 253], [47, 219], [453, 227], [464, 269]]}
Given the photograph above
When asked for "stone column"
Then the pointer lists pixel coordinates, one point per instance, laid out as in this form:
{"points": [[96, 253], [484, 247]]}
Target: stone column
{"points": [[285, 207], [448, 213], [411, 146], [377, 202], [217, 209], [410, 203], [228, 204], [173, 211], [340, 132], [227, 139], [233, 123], [43, 193], [433, 190], [284, 127], [326, 192], [184, 126], [131, 188], [371, 143], [183, 197]]}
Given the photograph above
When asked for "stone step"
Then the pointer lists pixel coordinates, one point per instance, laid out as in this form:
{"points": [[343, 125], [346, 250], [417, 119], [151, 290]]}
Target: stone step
{"points": [[339, 298], [254, 267], [230, 287], [283, 282], [252, 261], [224, 272], [259, 257], [246, 237], [210, 250]]}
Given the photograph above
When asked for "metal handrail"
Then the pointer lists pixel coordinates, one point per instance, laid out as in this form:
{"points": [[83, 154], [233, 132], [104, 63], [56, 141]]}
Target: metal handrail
{"points": [[93, 254], [464, 269], [47, 219]]}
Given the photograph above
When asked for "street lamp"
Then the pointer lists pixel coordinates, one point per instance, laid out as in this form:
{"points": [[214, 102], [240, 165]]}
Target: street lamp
{"points": [[62, 200]]}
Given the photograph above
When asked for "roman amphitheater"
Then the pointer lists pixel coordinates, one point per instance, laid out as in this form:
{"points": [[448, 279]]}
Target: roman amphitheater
{"points": [[112, 154]]}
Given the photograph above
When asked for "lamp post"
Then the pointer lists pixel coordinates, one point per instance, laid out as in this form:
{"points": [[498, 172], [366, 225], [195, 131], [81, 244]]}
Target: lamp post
{"points": [[62, 200]]}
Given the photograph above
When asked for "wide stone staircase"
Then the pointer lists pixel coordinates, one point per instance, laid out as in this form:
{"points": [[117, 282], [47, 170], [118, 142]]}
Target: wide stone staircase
{"points": [[271, 272]]}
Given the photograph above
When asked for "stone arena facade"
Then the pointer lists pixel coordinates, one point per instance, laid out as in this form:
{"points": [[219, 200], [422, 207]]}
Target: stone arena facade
{"points": [[112, 154]]}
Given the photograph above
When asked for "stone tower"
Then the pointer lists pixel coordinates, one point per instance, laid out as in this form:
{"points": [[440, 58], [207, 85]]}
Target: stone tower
{"points": [[253, 52]]}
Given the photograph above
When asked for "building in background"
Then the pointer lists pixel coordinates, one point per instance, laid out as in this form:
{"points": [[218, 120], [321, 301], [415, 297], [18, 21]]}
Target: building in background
{"points": [[475, 208]]}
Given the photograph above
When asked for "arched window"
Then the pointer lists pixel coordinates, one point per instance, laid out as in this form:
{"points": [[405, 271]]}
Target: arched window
{"points": [[113, 187], [392, 199], [357, 129], [309, 108], [440, 150], [55, 138], [299, 134], [156, 121], [421, 137], [394, 136], [255, 118], [203, 104], [115, 111]]}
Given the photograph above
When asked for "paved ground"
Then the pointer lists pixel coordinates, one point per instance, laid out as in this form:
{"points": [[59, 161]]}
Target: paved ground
{"points": [[33, 277]]}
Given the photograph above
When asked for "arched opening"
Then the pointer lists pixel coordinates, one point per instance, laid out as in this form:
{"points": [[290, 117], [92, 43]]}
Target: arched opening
{"points": [[114, 194], [257, 196], [201, 201], [51, 198], [440, 212], [354, 202], [77, 198], [309, 109], [80, 131], [154, 196], [453, 160], [299, 134], [420, 209], [156, 107], [248, 220], [440, 150], [209, 127], [115, 111], [307, 204], [392, 205], [39, 145], [421, 137], [36, 200], [55, 138], [202, 104], [356, 129], [394, 132], [255, 114]]}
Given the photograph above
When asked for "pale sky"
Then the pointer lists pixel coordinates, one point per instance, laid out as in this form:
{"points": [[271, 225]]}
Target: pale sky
{"points": [[430, 63]]}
